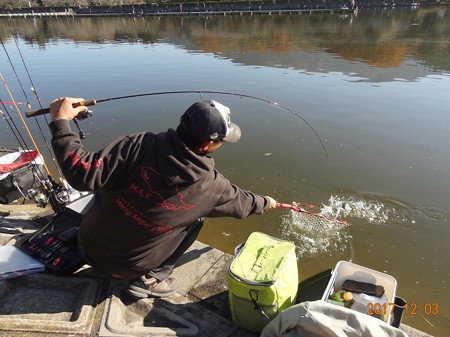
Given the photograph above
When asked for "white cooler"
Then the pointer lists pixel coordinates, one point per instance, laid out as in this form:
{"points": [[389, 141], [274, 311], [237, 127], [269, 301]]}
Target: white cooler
{"points": [[349, 271]]}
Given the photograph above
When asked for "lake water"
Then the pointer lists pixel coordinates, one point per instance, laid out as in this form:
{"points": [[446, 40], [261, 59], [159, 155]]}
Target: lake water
{"points": [[374, 86]]}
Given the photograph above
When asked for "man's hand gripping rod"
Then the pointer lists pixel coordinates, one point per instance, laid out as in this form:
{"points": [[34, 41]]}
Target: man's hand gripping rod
{"points": [[34, 113], [82, 115]]}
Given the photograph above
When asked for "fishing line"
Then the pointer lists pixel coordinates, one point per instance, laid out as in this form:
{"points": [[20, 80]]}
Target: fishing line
{"points": [[33, 113], [26, 97]]}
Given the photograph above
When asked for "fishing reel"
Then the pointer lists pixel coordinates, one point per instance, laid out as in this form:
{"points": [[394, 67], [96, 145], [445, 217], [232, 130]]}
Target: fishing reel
{"points": [[37, 195], [82, 116], [57, 195]]}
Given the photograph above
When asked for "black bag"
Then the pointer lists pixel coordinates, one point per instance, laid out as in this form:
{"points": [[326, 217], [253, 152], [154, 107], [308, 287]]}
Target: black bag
{"points": [[17, 174], [55, 245]]}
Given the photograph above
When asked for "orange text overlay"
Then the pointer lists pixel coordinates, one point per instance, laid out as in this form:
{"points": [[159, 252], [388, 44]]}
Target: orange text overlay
{"points": [[410, 308]]}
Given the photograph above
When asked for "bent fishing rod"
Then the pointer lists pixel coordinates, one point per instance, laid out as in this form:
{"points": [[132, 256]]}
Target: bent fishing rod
{"points": [[90, 102]]}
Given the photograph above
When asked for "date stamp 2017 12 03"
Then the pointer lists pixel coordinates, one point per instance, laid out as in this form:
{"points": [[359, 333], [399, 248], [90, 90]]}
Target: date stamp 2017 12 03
{"points": [[410, 308]]}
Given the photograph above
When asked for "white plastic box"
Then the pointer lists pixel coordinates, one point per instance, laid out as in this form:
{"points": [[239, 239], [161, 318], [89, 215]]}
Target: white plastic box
{"points": [[349, 271], [15, 263]]}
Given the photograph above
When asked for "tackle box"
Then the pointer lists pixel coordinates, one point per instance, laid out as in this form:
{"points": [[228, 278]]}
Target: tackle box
{"points": [[349, 271], [55, 245]]}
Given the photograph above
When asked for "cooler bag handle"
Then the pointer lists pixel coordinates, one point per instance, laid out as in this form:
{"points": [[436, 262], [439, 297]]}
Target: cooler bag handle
{"points": [[265, 319], [257, 266]]}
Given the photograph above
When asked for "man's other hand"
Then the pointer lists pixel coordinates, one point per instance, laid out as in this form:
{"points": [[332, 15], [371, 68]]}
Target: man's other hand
{"points": [[273, 203]]}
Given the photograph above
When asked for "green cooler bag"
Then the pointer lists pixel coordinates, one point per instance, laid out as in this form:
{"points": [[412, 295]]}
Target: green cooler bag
{"points": [[262, 280]]}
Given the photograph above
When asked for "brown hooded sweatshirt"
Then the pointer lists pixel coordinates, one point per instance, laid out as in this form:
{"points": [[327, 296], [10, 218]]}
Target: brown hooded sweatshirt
{"points": [[148, 189]]}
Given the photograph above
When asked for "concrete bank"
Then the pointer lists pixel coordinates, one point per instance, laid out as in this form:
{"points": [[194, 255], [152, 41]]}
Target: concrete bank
{"points": [[89, 304]]}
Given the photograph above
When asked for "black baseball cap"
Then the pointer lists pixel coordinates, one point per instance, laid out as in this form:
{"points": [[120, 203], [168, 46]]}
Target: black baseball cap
{"points": [[210, 120]]}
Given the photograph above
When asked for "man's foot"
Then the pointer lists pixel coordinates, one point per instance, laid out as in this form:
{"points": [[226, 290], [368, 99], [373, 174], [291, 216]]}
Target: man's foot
{"points": [[144, 287]]}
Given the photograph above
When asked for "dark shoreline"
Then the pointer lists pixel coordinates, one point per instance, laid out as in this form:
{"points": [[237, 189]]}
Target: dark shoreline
{"points": [[217, 8]]}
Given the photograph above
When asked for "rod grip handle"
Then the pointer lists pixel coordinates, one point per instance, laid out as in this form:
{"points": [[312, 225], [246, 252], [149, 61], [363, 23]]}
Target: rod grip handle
{"points": [[34, 113], [297, 209]]}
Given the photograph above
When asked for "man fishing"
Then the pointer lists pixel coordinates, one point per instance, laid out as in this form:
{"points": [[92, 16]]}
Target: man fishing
{"points": [[151, 192]]}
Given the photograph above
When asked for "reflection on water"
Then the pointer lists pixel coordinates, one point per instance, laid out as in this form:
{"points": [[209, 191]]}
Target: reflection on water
{"points": [[374, 86], [368, 41]]}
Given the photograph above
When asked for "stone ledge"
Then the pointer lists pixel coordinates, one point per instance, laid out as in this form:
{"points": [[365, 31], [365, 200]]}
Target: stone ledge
{"points": [[48, 304]]}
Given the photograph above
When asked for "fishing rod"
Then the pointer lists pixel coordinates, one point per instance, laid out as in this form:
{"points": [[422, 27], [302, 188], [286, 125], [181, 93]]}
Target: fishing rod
{"points": [[15, 73], [23, 121], [22, 143], [58, 195], [33, 113], [26, 97], [25, 67], [12, 125], [48, 191]]}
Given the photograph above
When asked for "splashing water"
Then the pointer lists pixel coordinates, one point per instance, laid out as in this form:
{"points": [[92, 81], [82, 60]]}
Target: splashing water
{"points": [[313, 235], [371, 208]]}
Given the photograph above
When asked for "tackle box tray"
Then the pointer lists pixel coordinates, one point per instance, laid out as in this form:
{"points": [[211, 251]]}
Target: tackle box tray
{"points": [[55, 245]]}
